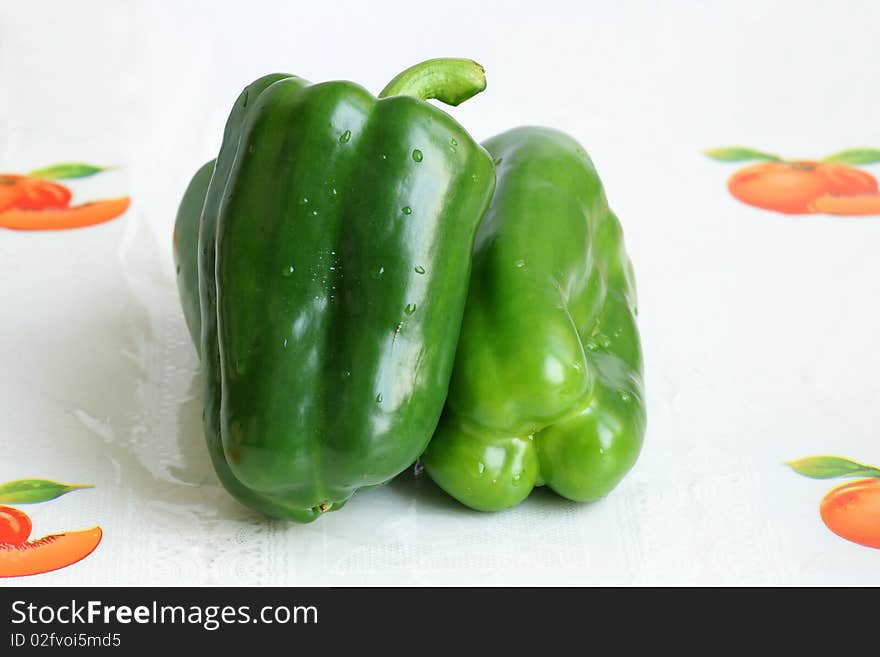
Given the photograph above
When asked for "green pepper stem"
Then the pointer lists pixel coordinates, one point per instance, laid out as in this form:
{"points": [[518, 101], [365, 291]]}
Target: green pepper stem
{"points": [[449, 80]]}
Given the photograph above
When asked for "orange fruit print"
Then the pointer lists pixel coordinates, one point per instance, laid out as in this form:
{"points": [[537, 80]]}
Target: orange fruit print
{"points": [[792, 187], [20, 556], [48, 553], [829, 186], [31, 193], [852, 510], [857, 204], [34, 202], [15, 526], [77, 216]]}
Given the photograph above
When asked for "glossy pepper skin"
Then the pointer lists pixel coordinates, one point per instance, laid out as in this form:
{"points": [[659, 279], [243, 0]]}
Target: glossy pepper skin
{"points": [[334, 249], [186, 249], [547, 385]]}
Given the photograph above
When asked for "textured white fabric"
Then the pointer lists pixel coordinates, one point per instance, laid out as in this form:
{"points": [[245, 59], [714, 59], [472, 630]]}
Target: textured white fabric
{"points": [[760, 330]]}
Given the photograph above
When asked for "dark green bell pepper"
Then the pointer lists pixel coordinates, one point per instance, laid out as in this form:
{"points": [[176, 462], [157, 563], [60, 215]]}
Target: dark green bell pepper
{"points": [[547, 384], [333, 259], [186, 249]]}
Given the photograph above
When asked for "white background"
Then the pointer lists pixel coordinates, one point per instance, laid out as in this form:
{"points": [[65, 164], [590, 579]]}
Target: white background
{"points": [[759, 330]]}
